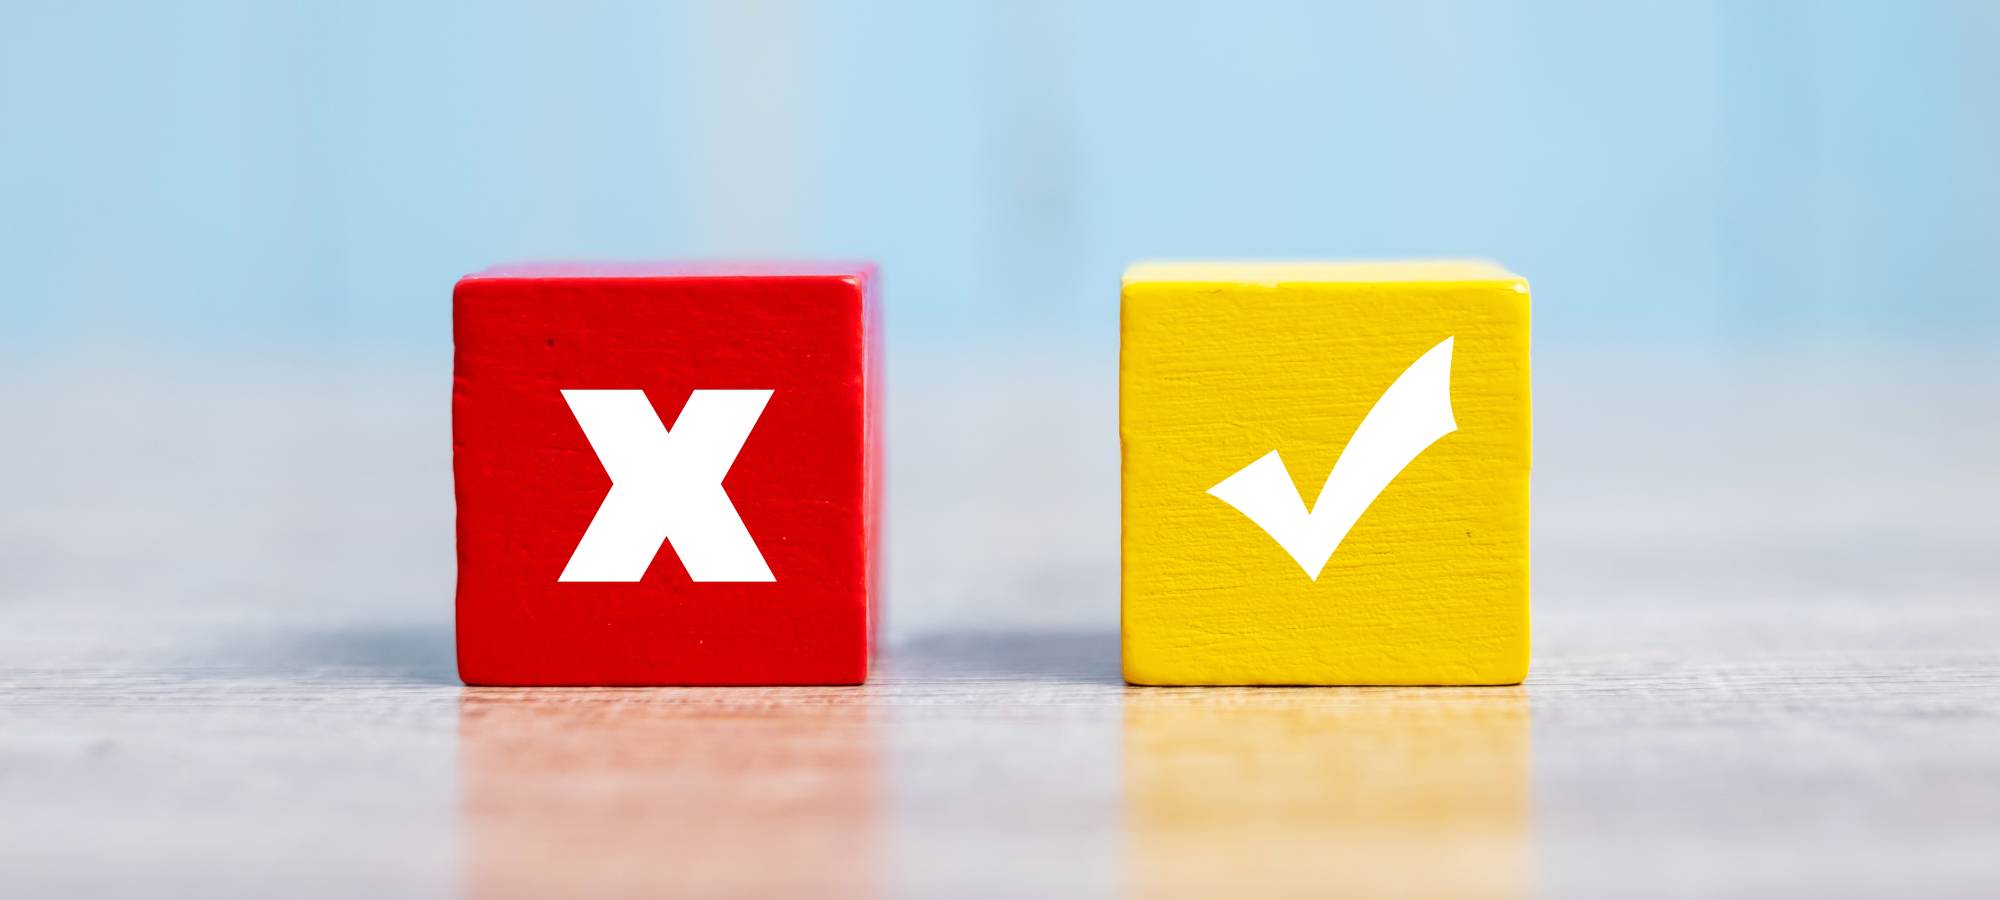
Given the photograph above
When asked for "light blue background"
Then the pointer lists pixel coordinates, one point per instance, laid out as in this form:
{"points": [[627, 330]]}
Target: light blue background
{"points": [[278, 177]]}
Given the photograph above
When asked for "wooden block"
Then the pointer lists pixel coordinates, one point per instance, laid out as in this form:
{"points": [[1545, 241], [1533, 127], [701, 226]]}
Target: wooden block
{"points": [[1244, 560], [666, 474]]}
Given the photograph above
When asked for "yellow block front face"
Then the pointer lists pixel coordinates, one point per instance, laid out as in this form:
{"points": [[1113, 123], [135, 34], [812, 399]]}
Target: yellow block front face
{"points": [[1249, 557]]}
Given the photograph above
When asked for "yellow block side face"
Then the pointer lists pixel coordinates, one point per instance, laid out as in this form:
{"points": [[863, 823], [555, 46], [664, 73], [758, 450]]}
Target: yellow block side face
{"points": [[1223, 364]]}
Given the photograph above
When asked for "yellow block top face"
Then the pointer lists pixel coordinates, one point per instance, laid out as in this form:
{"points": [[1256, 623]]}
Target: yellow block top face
{"points": [[1224, 363], [1252, 273]]}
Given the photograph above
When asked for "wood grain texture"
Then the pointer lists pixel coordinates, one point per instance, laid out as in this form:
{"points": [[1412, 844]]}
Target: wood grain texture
{"points": [[226, 667], [1221, 366], [529, 482]]}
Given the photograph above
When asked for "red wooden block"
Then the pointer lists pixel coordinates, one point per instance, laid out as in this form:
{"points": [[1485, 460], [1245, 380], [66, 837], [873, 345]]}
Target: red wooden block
{"points": [[666, 474]]}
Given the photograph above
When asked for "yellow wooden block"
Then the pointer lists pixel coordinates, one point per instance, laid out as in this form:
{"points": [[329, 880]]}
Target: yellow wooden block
{"points": [[1244, 560]]}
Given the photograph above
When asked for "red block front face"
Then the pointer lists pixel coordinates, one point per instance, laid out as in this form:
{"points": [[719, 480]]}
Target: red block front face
{"points": [[666, 475]]}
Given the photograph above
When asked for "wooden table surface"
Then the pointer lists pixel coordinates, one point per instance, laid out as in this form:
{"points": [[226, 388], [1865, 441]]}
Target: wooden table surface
{"points": [[1767, 664]]}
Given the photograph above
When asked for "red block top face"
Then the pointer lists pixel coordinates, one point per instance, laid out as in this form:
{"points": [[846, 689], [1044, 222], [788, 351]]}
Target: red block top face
{"points": [[536, 606]]}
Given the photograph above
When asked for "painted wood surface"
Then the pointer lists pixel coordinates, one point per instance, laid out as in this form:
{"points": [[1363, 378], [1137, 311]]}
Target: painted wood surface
{"points": [[565, 375], [1325, 473], [226, 667]]}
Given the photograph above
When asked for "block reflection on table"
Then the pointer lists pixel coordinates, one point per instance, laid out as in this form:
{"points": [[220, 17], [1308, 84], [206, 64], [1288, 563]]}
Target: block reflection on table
{"points": [[1370, 792], [698, 791]]}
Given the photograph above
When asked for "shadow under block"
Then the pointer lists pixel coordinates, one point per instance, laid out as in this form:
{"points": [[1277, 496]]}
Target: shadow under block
{"points": [[666, 475], [1240, 386]]}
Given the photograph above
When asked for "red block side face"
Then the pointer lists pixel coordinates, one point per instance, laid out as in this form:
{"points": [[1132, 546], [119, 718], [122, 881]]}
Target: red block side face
{"points": [[534, 465]]}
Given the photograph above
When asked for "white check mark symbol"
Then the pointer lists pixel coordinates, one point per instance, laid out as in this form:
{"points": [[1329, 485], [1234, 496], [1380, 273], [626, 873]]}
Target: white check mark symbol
{"points": [[1410, 416]]}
